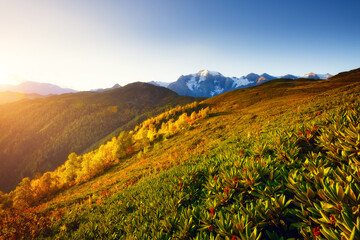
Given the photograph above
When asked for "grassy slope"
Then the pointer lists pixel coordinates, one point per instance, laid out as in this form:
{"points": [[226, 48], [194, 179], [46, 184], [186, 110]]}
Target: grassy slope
{"points": [[213, 180], [38, 135]]}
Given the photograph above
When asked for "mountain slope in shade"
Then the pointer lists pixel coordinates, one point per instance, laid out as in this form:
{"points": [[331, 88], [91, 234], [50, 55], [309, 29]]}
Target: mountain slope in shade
{"points": [[207, 83], [37, 135], [35, 87], [7, 97]]}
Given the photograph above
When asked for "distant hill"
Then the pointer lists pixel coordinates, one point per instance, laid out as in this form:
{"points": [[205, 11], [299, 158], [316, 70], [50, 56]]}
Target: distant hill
{"points": [[207, 83], [37, 135], [6, 97], [35, 87]]}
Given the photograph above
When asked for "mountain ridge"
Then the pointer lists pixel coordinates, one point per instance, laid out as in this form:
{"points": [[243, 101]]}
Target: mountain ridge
{"points": [[207, 83]]}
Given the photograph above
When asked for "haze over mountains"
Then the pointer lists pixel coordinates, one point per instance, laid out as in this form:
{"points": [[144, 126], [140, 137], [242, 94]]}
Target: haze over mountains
{"points": [[36, 87], [7, 97]]}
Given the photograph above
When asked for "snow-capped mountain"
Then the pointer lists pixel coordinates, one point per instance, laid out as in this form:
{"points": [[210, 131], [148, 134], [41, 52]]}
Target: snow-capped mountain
{"points": [[207, 83], [317, 76]]}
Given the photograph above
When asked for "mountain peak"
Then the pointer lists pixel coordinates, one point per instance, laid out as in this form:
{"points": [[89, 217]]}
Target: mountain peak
{"points": [[205, 73], [267, 76], [116, 85], [289, 76], [251, 75], [311, 74], [317, 76]]}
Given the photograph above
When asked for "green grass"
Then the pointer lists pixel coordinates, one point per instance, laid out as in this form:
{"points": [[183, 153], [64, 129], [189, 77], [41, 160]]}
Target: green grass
{"points": [[276, 161]]}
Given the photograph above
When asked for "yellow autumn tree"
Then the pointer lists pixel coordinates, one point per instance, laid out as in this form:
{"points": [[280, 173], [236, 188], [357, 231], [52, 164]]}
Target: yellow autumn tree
{"points": [[71, 167], [23, 194]]}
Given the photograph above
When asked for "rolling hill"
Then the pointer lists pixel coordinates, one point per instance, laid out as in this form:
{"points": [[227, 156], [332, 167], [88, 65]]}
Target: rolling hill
{"points": [[37, 135], [278, 160]]}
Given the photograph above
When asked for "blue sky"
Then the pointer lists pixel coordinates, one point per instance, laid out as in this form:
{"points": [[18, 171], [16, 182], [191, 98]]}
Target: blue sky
{"points": [[90, 44]]}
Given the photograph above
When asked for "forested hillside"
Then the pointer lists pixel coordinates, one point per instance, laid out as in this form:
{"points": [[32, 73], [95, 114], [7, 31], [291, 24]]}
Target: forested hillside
{"points": [[276, 161], [38, 135]]}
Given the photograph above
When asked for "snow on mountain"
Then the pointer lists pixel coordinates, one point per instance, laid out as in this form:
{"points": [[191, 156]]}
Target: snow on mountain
{"points": [[207, 83], [192, 83], [324, 76], [317, 76], [205, 73], [238, 82], [311, 75], [218, 90]]}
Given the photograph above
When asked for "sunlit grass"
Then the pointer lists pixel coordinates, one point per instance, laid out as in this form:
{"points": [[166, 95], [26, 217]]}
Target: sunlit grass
{"points": [[254, 168]]}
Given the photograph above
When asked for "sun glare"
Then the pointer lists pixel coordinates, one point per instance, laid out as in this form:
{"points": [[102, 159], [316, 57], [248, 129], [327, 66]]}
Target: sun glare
{"points": [[5, 78], [2, 78]]}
